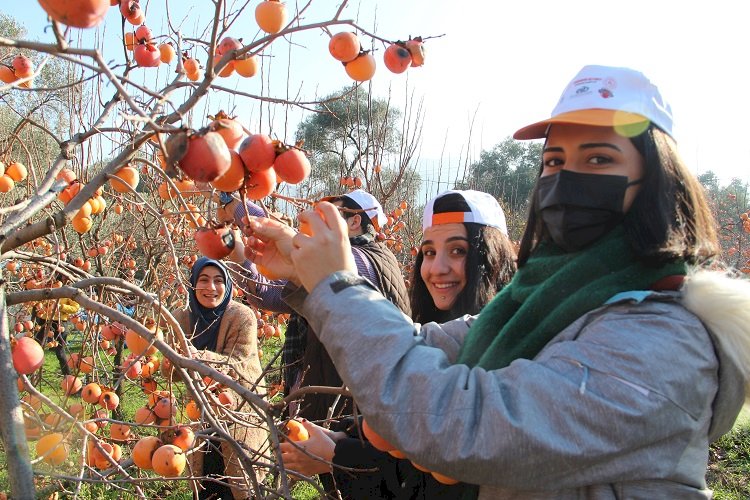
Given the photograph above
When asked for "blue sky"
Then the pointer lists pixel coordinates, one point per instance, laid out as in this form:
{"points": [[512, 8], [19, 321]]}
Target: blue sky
{"points": [[501, 65]]}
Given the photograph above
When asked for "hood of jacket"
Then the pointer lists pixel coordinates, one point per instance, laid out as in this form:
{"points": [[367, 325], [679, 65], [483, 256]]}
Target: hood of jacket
{"points": [[722, 303]]}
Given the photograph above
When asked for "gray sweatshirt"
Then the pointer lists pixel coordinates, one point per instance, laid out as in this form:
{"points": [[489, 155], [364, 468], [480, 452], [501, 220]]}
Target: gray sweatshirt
{"points": [[621, 404]]}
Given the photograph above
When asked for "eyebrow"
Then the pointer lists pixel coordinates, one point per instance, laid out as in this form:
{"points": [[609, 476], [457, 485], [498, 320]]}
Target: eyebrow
{"points": [[208, 276], [452, 238], [588, 145]]}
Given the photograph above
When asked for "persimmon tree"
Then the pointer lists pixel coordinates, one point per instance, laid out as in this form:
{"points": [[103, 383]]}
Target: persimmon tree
{"points": [[98, 232], [731, 207]]}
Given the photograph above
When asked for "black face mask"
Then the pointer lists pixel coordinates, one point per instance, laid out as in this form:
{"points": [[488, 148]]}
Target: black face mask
{"points": [[578, 209]]}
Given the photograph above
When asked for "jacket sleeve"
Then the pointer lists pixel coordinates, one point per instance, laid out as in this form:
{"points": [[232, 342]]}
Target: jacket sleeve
{"points": [[448, 337], [260, 291], [596, 405]]}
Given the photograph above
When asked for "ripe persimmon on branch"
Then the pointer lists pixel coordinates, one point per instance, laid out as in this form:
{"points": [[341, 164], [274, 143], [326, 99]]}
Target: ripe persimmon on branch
{"points": [[109, 183]]}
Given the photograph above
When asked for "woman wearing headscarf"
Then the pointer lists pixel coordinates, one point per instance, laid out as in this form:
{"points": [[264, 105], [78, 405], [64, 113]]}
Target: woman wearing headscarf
{"points": [[224, 334]]}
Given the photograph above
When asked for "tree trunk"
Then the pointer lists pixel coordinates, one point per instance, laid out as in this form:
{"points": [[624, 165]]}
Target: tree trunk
{"points": [[12, 431]]}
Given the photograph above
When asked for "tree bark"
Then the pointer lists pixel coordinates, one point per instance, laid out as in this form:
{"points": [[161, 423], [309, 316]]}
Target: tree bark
{"points": [[20, 474]]}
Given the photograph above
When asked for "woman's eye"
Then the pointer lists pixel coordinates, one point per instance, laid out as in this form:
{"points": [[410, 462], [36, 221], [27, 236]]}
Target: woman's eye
{"points": [[553, 162], [428, 252], [458, 251], [600, 160]]}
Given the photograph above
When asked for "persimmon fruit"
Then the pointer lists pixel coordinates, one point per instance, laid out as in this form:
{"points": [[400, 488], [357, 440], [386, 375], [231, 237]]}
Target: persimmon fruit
{"points": [[295, 431], [111, 331], [229, 129], [271, 16], [130, 42], [228, 44], [52, 448], [71, 384], [138, 345], [416, 49], [258, 152], [165, 408], [127, 179], [183, 437], [234, 177], [81, 224], [147, 55], [260, 184], [91, 393], [144, 450], [227, 70], [22, 66], [215, 243], [206, 156], [120, 432], [16, 171], [344, 46], [7, 75], [6, 184], [397, 58], [192, 410], [292, 166], [143, 34], [247, 66], [27, 355], [362, 68], [67, 175], [168, 461], [375, 439], [109, 400], [166, 53], [76, 13], [144, 415]]}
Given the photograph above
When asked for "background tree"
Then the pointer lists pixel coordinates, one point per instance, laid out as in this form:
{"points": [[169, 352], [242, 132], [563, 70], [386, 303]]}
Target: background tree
{"points": [[508, 172], [96, 111], [32, 120], [358, 140], [730, 205]]}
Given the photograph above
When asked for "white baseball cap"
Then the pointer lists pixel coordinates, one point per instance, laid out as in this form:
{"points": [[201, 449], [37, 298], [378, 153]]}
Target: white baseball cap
{"points": [[607, 96], [368, 204], [483, 209]]}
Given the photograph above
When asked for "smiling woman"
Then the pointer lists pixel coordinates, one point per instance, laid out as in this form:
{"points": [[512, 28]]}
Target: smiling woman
{"points": [[464, 259], [224, 334], [210, 287]]}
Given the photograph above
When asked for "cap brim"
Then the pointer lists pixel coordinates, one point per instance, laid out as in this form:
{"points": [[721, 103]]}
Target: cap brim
{"points": [[592, 117], [374, 222]]}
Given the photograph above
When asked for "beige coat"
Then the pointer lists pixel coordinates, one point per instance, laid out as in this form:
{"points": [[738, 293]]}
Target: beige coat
{"points": [[238, 341]]}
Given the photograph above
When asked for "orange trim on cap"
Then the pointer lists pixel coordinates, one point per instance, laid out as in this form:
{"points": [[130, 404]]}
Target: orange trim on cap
{"points": [[448, 218], [595, 117]]}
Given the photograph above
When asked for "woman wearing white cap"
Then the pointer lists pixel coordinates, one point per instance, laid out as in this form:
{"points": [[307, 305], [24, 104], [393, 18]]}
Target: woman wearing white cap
{"points": [[607, 365], [465, 257]]}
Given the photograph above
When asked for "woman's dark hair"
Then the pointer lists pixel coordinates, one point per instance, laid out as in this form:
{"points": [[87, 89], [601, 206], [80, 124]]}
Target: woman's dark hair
{"points": [[670, 217], [490, 264]]}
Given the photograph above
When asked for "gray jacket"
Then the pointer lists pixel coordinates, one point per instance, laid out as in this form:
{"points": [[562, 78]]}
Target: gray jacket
{"points": [[621, 404]]}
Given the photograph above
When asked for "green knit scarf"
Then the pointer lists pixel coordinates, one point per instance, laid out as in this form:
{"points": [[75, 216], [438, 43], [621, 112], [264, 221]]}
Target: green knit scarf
{"points": [[553, 289]]}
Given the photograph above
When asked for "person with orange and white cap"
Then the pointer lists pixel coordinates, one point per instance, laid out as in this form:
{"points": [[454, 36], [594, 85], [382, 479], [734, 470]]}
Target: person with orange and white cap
{"points": [[609, 363], [464, 258]]}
